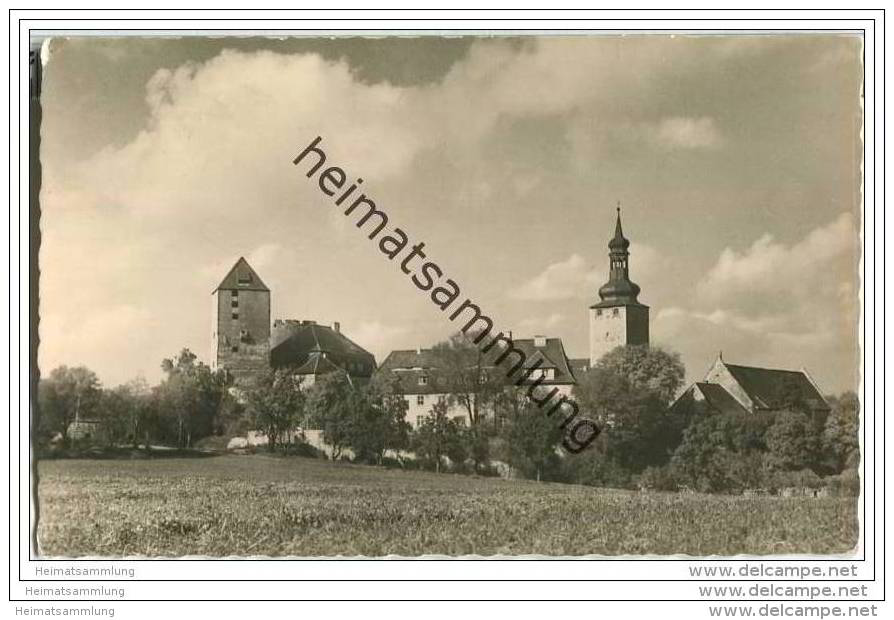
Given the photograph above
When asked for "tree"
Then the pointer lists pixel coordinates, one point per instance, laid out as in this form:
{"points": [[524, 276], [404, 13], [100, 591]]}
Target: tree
{"points": [[647, 368], [276, 405], [123, 412], [463, 372], [723, 451], [840, 439], [472, 382], [792, 442], [188, 399], [379, 421], [68, 394], [330, 407], [439, 436], [531, 438]]}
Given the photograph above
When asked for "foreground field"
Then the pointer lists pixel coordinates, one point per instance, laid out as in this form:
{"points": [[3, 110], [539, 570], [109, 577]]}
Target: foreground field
{"points": [[259, 505]]}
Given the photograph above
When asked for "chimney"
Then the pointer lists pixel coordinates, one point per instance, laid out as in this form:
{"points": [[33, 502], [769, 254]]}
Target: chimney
{"points": [[337, 327], [539, 341]]}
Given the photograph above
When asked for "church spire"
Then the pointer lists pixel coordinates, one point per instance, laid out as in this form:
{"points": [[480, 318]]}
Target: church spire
{"points": [[619, 290]]}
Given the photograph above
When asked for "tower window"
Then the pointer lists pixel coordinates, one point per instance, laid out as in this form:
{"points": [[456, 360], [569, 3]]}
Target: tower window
{"points": [[234, 293], [234, 303], [235, 315]]}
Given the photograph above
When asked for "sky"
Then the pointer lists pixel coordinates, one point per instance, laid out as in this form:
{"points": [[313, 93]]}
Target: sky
{"points": [[736, 161]]}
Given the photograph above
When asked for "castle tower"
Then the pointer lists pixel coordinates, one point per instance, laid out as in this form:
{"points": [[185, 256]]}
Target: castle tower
{"points": [[618, 319], [240, 324]]}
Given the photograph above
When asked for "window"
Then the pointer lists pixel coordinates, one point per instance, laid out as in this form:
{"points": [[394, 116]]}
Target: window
{"points": [[235, 315], [420, 399], [615, 311], [423, 379], [420, 419], [234, 303], [235, 348], [599, 312], [234, 293], [244, 278]]}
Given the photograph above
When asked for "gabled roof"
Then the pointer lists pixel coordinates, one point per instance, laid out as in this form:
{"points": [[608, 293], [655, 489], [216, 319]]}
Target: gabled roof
{"points": [[296, 343], [410, 365], [768, 386], [719, 399], [553, 353], [242, 278]]}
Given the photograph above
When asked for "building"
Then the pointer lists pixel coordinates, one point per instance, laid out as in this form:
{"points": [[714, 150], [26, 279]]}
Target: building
{"points": [[618, 318], [244, 345], [240, 323], [417, 372], [731, 388], [314, 350]]}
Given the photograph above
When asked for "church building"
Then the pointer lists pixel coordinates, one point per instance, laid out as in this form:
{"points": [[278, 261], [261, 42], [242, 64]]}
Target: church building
{"points": [[618, 319]]}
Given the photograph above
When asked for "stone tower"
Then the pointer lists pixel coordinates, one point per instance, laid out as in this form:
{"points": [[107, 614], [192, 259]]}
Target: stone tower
{"points": [[240, 324], [618, 319]]}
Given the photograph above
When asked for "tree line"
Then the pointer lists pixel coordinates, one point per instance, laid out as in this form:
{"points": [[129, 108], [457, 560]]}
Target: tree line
{"points": [[644, 442]]}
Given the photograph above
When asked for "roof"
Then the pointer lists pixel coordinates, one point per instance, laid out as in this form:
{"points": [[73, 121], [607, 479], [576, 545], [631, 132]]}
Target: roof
{"points": [[410, 365], [242, 278], [317, 349], [769, 387], [719, 399]]}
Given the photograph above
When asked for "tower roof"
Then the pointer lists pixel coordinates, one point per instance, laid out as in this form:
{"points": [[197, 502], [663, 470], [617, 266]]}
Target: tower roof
{"points": [[618, 242], [619, 290], [242, 278]]}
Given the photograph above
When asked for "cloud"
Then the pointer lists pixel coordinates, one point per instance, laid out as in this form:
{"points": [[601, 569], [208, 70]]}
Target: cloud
{"points": [[562, 280], [687, 133], [777, 304], [771, 267], [573, 278]]}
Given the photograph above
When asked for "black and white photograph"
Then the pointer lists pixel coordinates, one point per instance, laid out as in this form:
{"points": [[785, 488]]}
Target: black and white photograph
{"points": [[540, 295]]}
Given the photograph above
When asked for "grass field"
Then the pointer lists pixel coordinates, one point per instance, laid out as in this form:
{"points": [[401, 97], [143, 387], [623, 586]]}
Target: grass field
{"points": [[260, 505]]}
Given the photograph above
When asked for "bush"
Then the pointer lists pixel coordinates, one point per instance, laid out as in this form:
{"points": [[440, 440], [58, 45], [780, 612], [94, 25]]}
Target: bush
{"points": [[845, 484], [658, 479], [301, 449]]}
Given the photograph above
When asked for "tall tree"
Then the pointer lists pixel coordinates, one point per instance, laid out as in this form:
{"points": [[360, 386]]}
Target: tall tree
{"points": [[276, 405], [647, 368], [189, 398], [331, 402], [68, 394], [531, 438], [439, 436], [841, 440]]}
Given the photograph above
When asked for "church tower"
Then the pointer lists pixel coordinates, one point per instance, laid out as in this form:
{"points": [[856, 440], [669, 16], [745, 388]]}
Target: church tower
{"points": [[240, 324], [618, 319]]}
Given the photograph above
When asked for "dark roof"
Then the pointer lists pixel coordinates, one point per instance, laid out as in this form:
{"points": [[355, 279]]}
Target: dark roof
{"points": [[553, 354], [298, 343], [767, 387], [719, 399], [242, 278], [410, 365]]}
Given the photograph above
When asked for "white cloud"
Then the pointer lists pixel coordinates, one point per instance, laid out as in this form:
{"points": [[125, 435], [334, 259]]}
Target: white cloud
{"points": [[687, 133], [574, 278], [769, 266]]}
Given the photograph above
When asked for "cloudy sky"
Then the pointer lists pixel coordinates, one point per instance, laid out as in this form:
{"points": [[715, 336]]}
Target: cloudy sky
{"points": [[736, 161]]}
